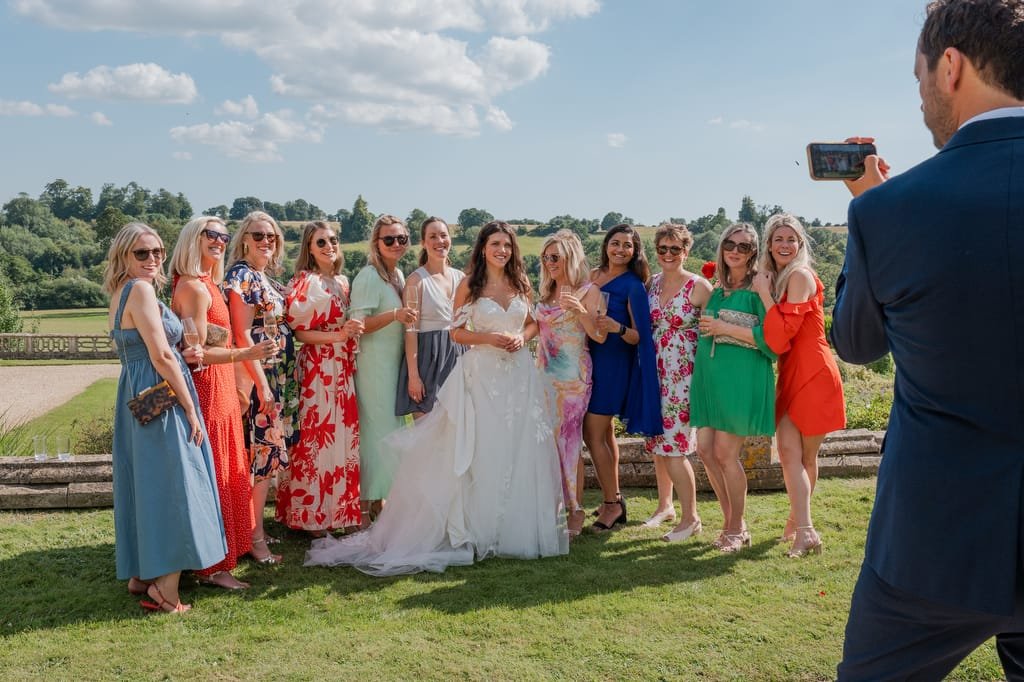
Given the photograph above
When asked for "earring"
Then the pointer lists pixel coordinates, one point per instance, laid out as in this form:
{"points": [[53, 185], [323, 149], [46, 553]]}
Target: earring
{"points": [[245, 249]]}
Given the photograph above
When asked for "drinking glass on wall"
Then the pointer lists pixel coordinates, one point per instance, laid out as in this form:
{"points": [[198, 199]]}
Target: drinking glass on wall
{"points": [[39, 448]]}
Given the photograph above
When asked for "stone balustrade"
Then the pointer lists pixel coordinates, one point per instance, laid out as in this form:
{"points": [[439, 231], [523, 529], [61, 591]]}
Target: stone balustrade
{"points": [[86, 480], [56, 347]]}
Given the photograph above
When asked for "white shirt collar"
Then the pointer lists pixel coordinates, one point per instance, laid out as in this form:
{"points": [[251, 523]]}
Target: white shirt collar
{"points": [[1003, 112]]}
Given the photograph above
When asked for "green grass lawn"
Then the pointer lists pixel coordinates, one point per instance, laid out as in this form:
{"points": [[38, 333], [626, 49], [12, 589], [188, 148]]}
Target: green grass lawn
{"points": [[77, 321], [623, 606], [68, 419]]}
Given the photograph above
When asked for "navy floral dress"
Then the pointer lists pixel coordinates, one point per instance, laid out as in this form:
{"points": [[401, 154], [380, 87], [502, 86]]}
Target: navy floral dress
{"points": [[268, 436]]}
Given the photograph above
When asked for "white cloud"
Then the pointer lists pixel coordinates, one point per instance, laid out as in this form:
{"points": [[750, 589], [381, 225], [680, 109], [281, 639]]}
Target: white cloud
{"points": [[616, 140], [146, 82], [26, 108], [100, 119], [245, 108], [716, 121], [499, 119], [744, 124], [256, 141], [181, 156], [437, 65]]}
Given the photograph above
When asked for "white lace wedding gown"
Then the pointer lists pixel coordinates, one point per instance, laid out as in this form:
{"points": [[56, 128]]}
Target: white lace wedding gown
{"points": [[478, 476]]}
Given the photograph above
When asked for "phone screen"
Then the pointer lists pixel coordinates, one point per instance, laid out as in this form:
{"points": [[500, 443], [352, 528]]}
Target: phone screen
{"points": [[837, 160]]}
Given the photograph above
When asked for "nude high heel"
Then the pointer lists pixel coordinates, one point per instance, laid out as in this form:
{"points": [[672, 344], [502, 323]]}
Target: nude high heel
{"points": [[798, 549]]}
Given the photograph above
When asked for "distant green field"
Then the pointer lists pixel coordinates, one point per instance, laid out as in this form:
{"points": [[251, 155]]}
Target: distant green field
{"points": [[80, 321]]}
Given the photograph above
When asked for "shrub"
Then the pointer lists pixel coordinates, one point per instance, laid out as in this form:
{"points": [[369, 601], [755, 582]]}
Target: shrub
{"points": [[96, 436]]}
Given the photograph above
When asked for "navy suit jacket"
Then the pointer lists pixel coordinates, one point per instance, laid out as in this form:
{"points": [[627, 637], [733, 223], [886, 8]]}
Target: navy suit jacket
{"points": [[934, 273]]}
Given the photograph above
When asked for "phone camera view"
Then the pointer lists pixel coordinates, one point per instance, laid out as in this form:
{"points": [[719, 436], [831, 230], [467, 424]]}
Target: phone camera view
{"points": [[837, 161]]}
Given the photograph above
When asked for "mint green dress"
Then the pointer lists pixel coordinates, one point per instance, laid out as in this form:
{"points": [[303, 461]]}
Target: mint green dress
{"points": [[380, 356], [733, 388]]}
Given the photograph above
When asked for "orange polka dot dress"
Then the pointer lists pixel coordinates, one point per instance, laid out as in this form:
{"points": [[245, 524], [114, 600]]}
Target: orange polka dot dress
{"points": [[223, 418]]}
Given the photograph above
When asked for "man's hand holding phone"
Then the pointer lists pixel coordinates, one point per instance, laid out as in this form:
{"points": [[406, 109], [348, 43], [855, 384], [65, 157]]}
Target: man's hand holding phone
{"points": [[876, 170]]}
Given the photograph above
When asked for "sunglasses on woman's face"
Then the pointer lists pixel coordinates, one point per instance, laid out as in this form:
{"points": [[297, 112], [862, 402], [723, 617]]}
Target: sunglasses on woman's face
{"points": [[674, 250], [215, 236], [392, 238], [321, 243], [742, 247], [271, 237], [142, 255], [553, 258]]}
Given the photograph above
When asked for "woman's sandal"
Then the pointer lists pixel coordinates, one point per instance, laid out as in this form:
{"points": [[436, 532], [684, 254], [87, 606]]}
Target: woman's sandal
{"points": [[600, 527], [224, 583], [137, 586], [271, 559], [160, 604]]}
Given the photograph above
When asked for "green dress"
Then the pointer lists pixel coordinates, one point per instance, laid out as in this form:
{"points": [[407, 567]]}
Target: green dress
{"points": [[733, 388], [380, 356]]}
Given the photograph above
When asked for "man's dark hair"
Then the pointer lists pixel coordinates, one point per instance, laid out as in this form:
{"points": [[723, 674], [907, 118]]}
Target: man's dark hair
{"points": [[988, 32]]}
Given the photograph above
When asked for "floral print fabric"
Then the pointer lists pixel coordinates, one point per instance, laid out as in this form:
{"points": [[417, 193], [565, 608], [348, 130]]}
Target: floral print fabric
{"points": [[674, 327], [321, 488]]}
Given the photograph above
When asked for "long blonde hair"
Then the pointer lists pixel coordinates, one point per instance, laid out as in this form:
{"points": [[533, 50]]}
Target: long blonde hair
{"points": [[374, 257], [570, 249], [116, 272], [305, 259], [237, 249], [723, 270], [187, 258], [802, 260]]}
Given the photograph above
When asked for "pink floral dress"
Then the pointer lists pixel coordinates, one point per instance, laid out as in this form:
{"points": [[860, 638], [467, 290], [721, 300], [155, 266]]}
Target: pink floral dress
{"points": [[674, 328], [321, 489]]}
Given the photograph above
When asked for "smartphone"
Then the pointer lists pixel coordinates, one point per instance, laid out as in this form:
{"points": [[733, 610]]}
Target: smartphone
{"points": [[837, 160]]}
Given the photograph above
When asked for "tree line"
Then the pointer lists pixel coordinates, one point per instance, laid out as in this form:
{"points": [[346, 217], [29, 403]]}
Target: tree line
{"points": [[53, 247]]}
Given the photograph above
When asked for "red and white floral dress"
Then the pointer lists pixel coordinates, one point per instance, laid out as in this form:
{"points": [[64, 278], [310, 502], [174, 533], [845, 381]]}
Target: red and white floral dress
{"points": [[320, 490], [674, 327]]}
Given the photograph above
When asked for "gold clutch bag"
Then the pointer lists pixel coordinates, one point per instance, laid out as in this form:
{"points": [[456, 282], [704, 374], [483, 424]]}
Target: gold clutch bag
{"points": [[151, 403], [216, 335], [746, 320]]}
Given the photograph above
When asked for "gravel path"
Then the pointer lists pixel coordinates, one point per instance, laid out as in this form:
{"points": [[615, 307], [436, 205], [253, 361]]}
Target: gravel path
{"points": [[28, 391]]}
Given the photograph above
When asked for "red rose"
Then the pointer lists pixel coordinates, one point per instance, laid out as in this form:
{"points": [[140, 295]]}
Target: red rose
{"points": [[708, 269]]}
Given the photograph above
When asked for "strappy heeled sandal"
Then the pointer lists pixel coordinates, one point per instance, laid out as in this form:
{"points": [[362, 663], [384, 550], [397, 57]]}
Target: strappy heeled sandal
{"points": [[271, 559], [813, 547], [161, 604]]}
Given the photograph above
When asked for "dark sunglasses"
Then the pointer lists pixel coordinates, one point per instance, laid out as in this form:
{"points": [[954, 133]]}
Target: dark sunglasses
{"points": [[215, 236], [260, 236], [321, 243], [142, 255], [553, 258], [742, 247], [674, 250], [392, 238]]}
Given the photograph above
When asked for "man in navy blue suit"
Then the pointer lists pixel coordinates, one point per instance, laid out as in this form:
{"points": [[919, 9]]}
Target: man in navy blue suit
{"points": [[934, 274]]}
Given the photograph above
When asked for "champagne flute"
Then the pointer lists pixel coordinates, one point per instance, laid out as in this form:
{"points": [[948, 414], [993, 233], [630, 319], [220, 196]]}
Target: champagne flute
{"points": [[272, 332], [412, 300], [191, 337], [602, 307], [358, 314], [563, 291]]}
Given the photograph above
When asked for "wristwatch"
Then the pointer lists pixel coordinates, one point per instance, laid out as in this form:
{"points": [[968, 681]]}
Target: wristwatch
{"points": [[622, 329]]}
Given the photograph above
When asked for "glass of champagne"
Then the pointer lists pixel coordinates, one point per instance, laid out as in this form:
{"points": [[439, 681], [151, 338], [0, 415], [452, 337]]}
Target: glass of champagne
{"points": [[412, 300], [602, 307], [563, 291], [191, 337], [359, 315], [272, 332]]}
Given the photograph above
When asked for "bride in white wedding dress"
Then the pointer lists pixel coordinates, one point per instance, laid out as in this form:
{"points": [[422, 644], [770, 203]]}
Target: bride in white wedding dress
{"points": [[478, 476]]}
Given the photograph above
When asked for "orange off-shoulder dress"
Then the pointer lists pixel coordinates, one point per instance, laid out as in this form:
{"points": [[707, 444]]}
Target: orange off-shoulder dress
{"points": [[809, 387]]}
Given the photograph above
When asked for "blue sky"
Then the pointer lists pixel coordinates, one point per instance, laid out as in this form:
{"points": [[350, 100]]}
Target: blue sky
{"points": [[526, 108]]}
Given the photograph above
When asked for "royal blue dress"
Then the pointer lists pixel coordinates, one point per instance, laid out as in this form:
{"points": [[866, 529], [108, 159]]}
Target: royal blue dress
{"points": [[166, 508], [626, 376]]}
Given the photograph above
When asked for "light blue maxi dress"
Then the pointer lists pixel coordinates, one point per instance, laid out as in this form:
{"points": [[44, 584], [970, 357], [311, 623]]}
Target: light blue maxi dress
{"points": [[166, 509]]}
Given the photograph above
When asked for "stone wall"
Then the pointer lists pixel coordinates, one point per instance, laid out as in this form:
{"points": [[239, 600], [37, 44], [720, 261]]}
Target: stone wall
{"points": [[86, 480], [56, 347]]}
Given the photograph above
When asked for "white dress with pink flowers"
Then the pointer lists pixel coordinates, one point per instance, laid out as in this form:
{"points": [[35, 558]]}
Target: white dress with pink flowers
{"points": [[674, 328]]}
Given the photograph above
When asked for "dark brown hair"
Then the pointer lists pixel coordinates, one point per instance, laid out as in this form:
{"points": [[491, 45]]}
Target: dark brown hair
{"points": [[476, 270], [638, 263], [990, 33], [423, 235]]}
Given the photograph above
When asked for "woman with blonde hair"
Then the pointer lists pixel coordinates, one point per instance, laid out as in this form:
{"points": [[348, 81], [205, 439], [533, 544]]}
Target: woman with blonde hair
{"points": [[732, 393], [430, 353], [269, 396], [319, 491], [377, 298], [809, 395], [166, 513], [567, 316], [676, 296], [197, 263]]}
